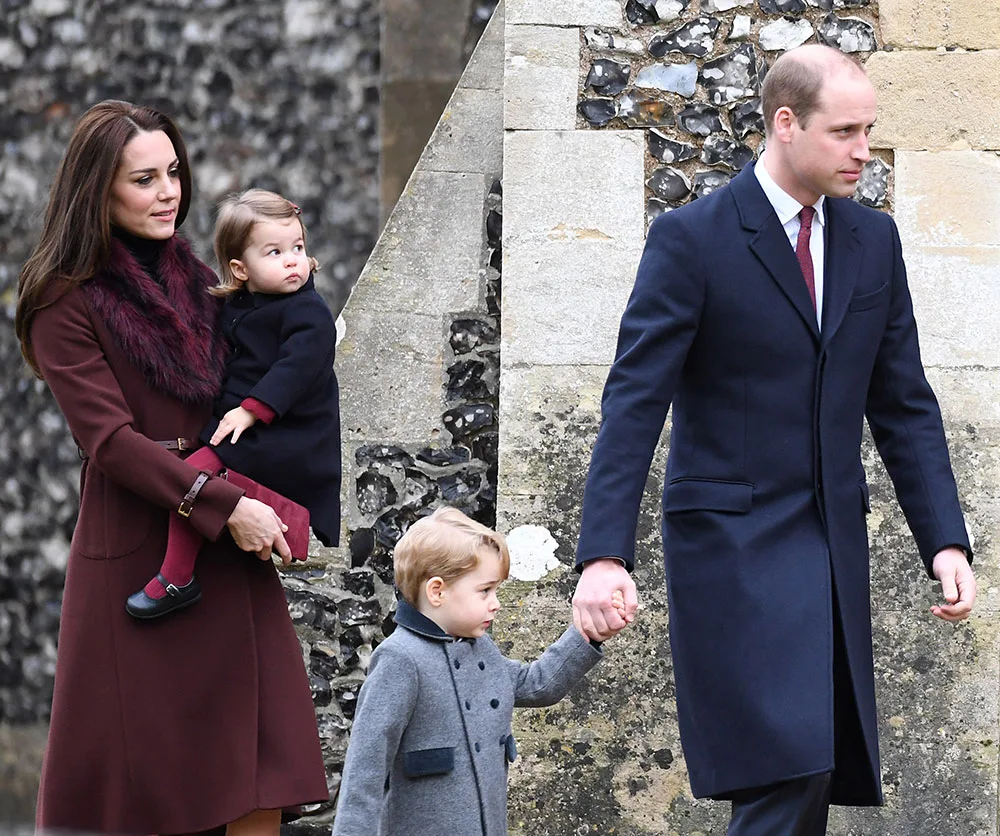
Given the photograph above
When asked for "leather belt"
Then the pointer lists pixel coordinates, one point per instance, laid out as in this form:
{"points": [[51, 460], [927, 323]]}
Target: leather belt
{"points": [[179, 444]]}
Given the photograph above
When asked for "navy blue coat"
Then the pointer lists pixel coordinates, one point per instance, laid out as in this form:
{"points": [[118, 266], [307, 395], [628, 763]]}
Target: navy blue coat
{"points": [[282, 351], [765, 495]]}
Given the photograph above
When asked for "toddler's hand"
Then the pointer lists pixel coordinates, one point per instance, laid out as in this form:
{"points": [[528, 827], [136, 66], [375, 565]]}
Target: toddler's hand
{"points": [[235, 421]]}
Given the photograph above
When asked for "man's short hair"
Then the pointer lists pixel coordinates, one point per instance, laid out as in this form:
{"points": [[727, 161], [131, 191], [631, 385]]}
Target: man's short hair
{"points": [[447, 544], [796, 83]]}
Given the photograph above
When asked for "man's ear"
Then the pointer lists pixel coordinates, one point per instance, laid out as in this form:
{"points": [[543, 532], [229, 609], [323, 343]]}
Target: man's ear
{"points": [[239, 269], [434, 589], [784, 122]]}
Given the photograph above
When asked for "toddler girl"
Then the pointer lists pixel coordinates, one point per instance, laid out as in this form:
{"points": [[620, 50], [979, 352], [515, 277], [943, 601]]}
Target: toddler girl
{"points": [[279, 404]]}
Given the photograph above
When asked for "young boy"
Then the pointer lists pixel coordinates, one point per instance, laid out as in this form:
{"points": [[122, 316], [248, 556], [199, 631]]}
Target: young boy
{"points": [[432, 733]]}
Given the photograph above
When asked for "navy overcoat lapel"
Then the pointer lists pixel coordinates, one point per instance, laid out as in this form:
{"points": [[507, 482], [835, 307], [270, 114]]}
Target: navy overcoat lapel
{"points": [[769, 244], [843, 261]]}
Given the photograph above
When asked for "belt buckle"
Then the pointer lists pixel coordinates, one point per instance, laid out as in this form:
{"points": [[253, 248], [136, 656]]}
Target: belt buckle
{"points": [[182, 444]]}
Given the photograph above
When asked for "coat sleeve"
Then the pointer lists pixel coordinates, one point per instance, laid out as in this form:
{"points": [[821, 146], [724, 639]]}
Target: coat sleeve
{"points": [[74, 366], [549, 678], [307, 347], [385, 704], [906, 424], [657, 329]]}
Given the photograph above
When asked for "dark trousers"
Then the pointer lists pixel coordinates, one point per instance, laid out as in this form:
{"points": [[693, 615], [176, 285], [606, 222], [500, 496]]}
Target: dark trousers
{"points": [[791, 808]]}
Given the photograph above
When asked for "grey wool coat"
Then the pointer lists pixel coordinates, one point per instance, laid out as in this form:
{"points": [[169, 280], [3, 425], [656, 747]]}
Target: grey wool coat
{"points": [[432, 738]]}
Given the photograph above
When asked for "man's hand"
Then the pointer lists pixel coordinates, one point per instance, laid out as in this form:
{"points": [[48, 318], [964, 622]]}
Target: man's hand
{"points": [[235, 421], [594, 612], [958, 584]]}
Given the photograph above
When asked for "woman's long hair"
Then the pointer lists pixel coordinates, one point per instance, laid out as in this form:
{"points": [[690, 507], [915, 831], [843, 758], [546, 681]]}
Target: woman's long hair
{"points": [[76, 234]]}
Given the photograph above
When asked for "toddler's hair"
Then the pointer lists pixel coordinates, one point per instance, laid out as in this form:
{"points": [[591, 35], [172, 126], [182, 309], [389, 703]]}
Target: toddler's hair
{"points": [[237, 215], [447, 544]]}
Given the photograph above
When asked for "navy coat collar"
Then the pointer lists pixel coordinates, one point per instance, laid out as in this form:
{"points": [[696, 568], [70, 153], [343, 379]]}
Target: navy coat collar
{"points": [[246, 299], [415, 621], [770, 245]]}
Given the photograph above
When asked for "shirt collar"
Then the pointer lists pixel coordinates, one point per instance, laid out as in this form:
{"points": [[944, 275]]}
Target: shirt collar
{"points": [[785, 206]]}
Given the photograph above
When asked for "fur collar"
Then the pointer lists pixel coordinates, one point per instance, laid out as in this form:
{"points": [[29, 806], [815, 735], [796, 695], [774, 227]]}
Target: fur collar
{"points": [[165, 326]]}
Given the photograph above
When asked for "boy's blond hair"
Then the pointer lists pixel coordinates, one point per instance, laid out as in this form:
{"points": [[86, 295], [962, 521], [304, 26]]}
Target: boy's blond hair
{"points": [[447, 544], [237, 215]]}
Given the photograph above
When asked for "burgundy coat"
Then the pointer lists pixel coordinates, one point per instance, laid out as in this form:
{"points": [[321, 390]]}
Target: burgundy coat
{"points": [[193, 720]]}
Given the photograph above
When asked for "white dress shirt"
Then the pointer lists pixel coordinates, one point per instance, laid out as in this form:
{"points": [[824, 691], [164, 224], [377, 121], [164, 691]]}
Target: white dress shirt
{"points": [[787, 209]]}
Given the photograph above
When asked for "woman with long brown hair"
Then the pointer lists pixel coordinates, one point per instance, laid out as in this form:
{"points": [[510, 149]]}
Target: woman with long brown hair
{"points": [[204, 720]]}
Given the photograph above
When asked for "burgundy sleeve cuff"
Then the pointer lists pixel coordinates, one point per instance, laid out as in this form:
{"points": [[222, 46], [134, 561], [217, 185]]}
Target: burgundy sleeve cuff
{"points": [[260, 409]]}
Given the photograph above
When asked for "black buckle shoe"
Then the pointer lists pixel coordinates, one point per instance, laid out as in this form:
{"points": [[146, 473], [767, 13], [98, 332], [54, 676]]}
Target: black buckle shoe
{"points": [[140, 605]]}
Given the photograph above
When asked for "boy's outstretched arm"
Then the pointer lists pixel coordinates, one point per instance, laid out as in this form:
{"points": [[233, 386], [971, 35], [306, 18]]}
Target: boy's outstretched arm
{"points": [[549, 678]]}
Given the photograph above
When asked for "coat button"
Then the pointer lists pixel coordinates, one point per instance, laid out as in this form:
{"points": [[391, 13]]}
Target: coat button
{"points": [[494, 703], [457, 664], [468, 705], [478, 747], [482, 666]]}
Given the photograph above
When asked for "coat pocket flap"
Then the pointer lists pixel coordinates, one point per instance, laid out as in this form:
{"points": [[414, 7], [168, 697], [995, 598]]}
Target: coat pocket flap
{"points": [[707, 495], [425, 762]]}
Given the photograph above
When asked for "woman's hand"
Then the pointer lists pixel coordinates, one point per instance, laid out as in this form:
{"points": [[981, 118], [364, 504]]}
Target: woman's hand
{"points": [[257, 528], [235, 421]]}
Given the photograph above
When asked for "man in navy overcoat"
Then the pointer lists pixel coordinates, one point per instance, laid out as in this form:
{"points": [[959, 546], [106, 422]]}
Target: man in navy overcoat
{"points": [[774, 316]]}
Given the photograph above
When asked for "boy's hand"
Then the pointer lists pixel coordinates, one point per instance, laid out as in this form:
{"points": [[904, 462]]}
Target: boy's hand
{"points": [[235, 421], [618, 602]]}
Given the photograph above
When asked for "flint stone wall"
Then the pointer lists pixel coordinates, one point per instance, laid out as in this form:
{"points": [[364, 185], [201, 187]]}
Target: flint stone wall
{"points": [[277, 95]]}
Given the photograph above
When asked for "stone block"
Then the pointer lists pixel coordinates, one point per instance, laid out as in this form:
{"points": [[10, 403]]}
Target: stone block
{"points": [[469, 134], [549, 417], [947, 206], [933, 100], [969, 395], [606, 13], [418, 266], [973, 24], [573, 235], [392, 359], [541, 78], [485, 68]]}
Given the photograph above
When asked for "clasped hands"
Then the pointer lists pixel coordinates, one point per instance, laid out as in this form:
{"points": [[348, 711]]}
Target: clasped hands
{"points": [[605, 599]]}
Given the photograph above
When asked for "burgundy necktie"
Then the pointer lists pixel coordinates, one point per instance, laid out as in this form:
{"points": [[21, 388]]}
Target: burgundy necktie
{"points": [[802, 250]]}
